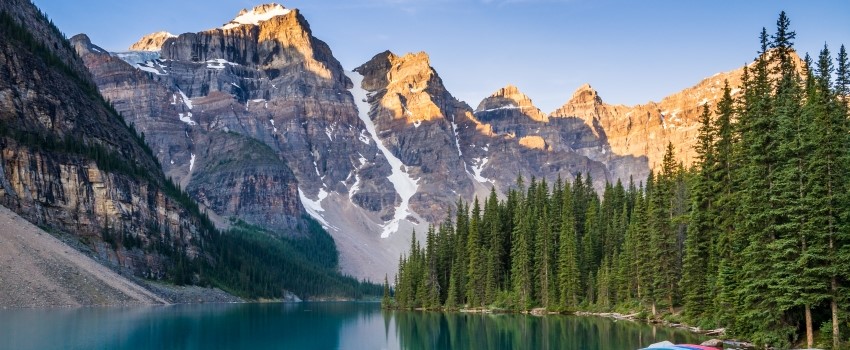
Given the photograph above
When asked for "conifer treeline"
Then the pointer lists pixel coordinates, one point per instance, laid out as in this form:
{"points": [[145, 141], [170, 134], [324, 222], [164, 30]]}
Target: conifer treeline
{"points": [[753, 238]]}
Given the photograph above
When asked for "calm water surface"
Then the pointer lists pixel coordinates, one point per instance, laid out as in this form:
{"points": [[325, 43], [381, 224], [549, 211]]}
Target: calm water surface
{"points": [[341, 325]]}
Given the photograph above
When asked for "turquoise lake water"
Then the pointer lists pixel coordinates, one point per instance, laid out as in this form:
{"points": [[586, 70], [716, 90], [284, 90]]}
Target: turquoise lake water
{"points": [[331, 325]]}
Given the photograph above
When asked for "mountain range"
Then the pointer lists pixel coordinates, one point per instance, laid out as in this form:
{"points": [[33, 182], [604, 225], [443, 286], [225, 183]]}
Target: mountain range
{"points": [[259, 123]]}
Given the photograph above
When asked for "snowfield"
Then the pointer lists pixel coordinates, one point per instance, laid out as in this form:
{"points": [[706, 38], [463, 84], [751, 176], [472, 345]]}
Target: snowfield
{"points": [[403, 183]]}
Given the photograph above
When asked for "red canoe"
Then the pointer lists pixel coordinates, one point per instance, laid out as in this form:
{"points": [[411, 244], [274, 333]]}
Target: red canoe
{"points": [[696, 347]]}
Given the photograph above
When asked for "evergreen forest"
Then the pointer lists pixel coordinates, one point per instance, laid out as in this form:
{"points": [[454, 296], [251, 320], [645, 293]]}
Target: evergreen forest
{"points": [[754, 237]]}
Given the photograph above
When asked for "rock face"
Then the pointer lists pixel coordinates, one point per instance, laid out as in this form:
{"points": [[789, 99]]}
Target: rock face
{"points": [[69, 163], [151, 42], [414, 116], [646, 129], [268, 195], [510, 112]]}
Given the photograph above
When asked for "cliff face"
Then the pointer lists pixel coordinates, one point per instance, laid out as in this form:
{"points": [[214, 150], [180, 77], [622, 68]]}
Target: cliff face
{"points": [[569, 143], [646, 129], [201, 159], [70, 164]]}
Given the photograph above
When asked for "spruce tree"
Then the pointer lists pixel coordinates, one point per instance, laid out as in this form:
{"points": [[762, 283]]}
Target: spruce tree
{"points": [[701, 226], [724, 258], [459, 266], [663, 240], [827, 190], [495, 255], [760, 313], [543, 260], [475, 274], [385, 300], [452, 296], [568, 271], [521, 269]]}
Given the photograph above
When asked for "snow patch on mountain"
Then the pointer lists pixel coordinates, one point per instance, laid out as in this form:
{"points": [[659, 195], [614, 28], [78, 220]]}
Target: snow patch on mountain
{"points": [[187, 118], [256, 15], [457, 139], [403, 183], [364, 136], [314, 207], [219, 63], [509, 106], [136, 57], [476, 170], [186, 99]]}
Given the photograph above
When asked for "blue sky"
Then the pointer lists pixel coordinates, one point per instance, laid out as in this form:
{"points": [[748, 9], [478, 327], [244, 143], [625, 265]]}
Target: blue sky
{"points": [[632, 52]]}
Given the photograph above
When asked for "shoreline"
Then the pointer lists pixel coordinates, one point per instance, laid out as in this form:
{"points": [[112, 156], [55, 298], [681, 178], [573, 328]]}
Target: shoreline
{"points": [[716, 335]]}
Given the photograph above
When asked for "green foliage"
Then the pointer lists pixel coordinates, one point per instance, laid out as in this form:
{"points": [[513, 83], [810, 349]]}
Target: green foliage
{"points": [[254, 263]]}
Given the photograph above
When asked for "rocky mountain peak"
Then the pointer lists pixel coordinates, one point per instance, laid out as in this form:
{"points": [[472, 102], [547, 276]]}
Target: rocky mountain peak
{"points": [[152, 41], [586, 93], [406, 86], [510, 98], [585, 103], [260, 13]]}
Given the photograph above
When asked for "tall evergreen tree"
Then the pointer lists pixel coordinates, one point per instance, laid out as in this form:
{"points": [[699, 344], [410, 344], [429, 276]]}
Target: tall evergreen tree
{"points": [[521, 269], [701, 226], [495, 255], [385, 300], [827, 190], [724, 258], [757, 314], [663, 238], [568, 271], [475, 274], [543, 261]]}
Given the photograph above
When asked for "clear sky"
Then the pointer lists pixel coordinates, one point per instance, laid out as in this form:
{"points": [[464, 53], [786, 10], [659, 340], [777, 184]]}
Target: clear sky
{"points": [[630, 51]]}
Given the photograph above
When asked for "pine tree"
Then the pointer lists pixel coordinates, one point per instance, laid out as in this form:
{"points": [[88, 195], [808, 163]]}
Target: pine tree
{"points": [[568, 271], [700, 234], [495, 255], [452, 297], [663, 240], [475, 274], [603, 281], [827, 190], [385, 300], [543, 260], [726, 203], [643, 245], [459, 266], [760, 312], [521, 269], [430, 272]]}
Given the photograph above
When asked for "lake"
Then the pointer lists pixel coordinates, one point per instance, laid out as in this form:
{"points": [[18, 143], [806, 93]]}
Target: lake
{"points": [[327, 325]]}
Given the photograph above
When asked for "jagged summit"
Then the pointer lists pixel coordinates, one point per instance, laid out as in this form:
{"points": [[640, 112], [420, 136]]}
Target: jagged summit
{"points": [[152, 41], [260, 13], [511, 98], [585, 94], [409, 84]]}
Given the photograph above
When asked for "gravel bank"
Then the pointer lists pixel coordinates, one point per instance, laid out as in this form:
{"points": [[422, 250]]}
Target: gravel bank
{"points": [[39, 270]]}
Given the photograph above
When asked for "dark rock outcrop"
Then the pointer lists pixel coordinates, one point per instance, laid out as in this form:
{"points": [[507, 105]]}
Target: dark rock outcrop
{"points": [[69, 163]]}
